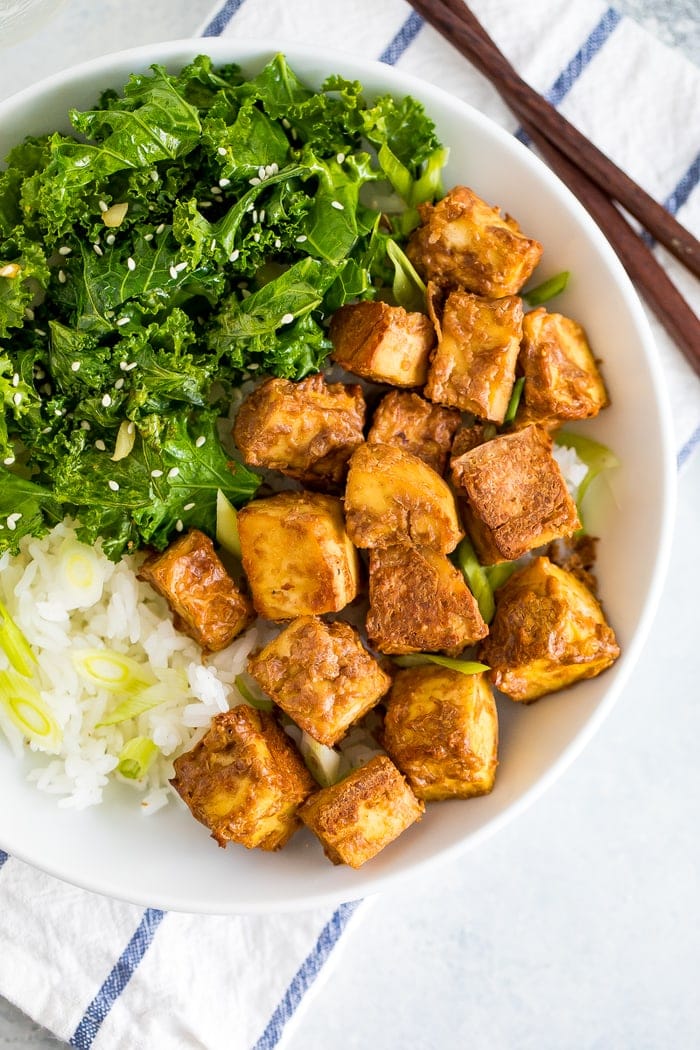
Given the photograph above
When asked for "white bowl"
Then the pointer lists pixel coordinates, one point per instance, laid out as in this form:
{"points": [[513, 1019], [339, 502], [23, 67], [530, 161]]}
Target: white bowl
{"points": [[168, 860]]}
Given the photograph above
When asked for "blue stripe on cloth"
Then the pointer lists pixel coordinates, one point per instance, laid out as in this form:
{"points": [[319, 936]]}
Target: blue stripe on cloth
{"points": [[305, 976], [116, 982], [690, 446], [684, 187], [3, 857], [405, 36], [588, 50], [222, 18]]}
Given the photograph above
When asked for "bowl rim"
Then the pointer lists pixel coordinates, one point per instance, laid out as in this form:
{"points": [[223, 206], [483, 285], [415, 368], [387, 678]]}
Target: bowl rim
{"points": [[252, 50]]}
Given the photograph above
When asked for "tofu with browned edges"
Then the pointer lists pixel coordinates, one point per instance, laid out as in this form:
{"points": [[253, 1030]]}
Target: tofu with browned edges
{"points": [[548, 632], [382, 342], [207, 603], [356, 818], [413, 424], [306, 430], [441, 730], [419, 602], [297, 555], [562, 380], [392, 496], [321, 675], [473, 366], [244, 780], [514, 495], [463, 242]]}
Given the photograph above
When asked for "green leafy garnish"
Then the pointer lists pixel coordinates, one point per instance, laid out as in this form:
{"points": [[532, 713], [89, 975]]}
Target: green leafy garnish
{"points": [[419, 659], [547, 290]]}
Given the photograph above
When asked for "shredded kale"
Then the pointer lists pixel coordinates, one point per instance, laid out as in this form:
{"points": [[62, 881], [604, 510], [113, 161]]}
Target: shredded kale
{"points": [[245, 227]]}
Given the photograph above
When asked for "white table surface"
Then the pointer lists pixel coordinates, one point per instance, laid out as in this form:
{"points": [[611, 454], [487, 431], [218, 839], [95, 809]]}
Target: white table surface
{"points": [[577, 927]]}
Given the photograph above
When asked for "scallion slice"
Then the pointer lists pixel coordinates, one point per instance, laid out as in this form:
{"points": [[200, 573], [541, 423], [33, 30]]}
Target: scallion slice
{"points": [[251, 692], [112, 671], [476, 577], [547, 290], [420, 659], [15, 645], [227, 525], [514, 400], [28, 710], [409, 290], [597, 458], [322, 762], [136, 756]]}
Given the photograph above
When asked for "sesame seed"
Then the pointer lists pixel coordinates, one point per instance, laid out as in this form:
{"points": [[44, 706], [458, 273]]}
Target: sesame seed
{"points": [[287, 319], [123, 365], [155, 176], [173, 472], [17, 398], [156, 473], [62, 276], [340, 158], [200, 441], [301, 238], [221, 151], [204, 204], [173, 273], [40, 331], [10, 460], [119, 383], [39, 373], [75, 366], [256, 237], [224, 182], [178, 525], [58, 411], [285, 123], [188, 506], [106, 401], [132, 364], [215, 191], [255, 215], [212, 246], [245, 293], [148, 237], [97, 250], [262, 215], [29, 313], [12, 520], [337, 205], [15, 379], [122, 321], [278, 242], [110, 239], [254, 181], [100, 445], [104, 206], [131, 263], [234, 255], [84, 425], [114, 485], [159, 229], [179, 267], [64, 250], [261, 173]]}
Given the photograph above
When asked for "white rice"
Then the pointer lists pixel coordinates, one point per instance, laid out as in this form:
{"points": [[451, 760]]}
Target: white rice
{"points": [[126, 616], [572, 467]]}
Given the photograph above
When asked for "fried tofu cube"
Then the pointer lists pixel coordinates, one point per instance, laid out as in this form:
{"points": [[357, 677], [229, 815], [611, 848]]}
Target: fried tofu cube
{"points": [[548, 632], [441, 730], [467, 438], [321, 675], [515, 497], [244, 780], [410, 422], [306, 430], [473, 366], [382, 342], [464, 242], [205, 600], [392, 496], [419, 602], [362, 814], [297, 555], [562, 380]]}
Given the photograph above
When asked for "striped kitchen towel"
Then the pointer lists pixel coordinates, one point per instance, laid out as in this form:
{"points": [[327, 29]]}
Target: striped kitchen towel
{"points": [[107, 975]]}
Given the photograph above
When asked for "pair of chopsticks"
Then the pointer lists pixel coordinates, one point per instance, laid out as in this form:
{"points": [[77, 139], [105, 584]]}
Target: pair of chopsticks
{"points": [[597, 182]]}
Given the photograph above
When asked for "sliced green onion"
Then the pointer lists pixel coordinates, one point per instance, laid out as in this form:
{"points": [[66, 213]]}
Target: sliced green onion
{"points": [[126, 436], [498, 574], [227, 525], [476, 577], [514, 400], [596, 457], [547, 290], [29, 711], [420, 659], [132, 707], [112, 671], [15, 645], [135, 757], [80, 574], [322, 762], [251, 692], [409, 290]]}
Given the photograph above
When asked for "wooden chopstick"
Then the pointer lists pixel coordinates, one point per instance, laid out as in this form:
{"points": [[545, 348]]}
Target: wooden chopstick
{"points": [[661, 294], [459, 25]]}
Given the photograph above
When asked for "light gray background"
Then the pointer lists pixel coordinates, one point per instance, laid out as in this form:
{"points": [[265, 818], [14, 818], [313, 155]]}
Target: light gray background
{"points": [[578, 926]]}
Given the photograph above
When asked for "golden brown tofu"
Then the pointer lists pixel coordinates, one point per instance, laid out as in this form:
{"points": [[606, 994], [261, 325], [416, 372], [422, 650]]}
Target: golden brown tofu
{"points": [[548, 632], [515, 498], [473, 366], [321, 675], [562, 380], [468, 437], [297, 555], [206, 601], [419, 602], [362, 814], [382, 342], [244, 780], [392, 496], [464, 242], [307, 430], [411, 423], [441, 729]]}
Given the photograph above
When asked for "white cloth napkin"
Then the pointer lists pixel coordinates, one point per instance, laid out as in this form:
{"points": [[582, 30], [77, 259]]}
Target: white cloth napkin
{"points": [[110, 976]]}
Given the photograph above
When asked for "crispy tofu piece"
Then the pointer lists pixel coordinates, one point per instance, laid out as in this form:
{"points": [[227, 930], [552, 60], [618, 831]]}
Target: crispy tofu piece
{"points": [[464, 242], [382, 342], [362, 814], [473, 365], [306, 430], [419, 602], [562, 380], [297, 555], [441, 729], [244, 780], [515, 498], [392, 496], [548, 632], [321, 675], [205, 600], [411, 423], [467, 438]]}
